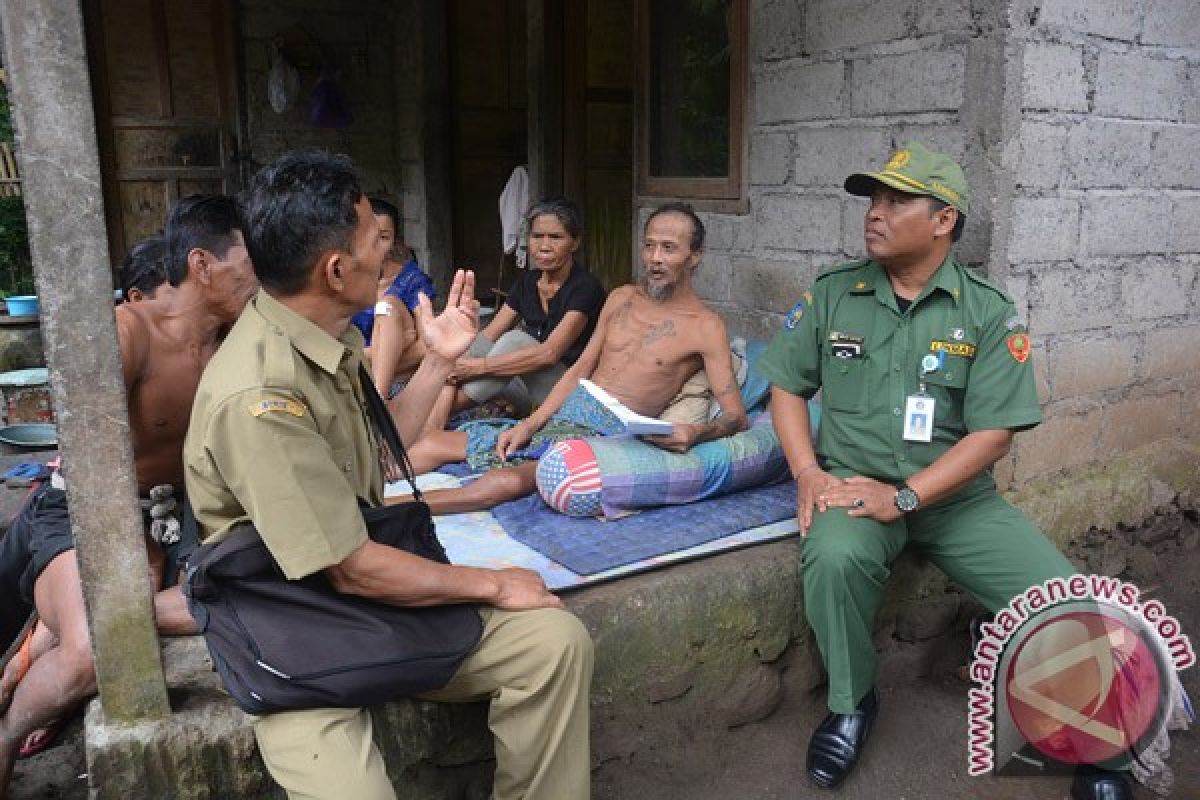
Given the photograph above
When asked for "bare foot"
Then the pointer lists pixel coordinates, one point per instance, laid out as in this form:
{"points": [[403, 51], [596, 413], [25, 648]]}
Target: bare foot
{"points": [[37, 641], [8, 757], [15, 670], [42, 739]]}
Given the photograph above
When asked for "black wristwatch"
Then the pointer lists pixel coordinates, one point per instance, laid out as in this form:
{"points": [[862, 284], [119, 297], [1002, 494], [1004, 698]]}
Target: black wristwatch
{"points": [[906, 498]]}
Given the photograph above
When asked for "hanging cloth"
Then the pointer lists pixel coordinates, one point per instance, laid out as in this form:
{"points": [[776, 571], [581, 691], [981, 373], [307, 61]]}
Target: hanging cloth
{"points": [[514, 201]]}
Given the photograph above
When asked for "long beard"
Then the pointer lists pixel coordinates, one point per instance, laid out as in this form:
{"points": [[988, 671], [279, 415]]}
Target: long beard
{"points": [[657, 293]]}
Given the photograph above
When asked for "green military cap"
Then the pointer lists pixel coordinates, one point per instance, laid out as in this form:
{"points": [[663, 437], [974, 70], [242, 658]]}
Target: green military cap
{"points": [[916, 170]]}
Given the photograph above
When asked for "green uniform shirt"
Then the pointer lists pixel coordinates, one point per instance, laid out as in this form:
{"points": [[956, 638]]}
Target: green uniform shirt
{"points": [[279, 436], [984, 380]]}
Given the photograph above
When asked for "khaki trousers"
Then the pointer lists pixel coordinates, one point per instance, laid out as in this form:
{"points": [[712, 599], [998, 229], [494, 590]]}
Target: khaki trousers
{"points": [[534, 666]]}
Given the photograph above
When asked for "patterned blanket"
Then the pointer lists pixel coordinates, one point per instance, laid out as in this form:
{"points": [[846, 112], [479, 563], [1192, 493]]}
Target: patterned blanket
{"points": [[581, 415], [638, 475]]}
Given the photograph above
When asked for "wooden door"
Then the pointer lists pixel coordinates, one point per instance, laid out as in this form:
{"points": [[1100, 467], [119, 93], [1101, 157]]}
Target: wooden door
{"points": [[166, 107], [597, 75], [488, 128]]}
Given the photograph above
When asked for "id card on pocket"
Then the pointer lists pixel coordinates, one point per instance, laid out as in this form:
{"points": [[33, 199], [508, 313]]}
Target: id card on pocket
{"points": [[918, 418]]}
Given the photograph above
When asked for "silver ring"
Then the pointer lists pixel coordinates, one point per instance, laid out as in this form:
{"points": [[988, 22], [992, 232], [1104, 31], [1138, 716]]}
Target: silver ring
{"points": [[859, 502]]}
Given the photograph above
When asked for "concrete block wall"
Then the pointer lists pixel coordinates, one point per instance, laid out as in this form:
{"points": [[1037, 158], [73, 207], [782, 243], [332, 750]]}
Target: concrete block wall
{"points": [[1103, 246], [1077, 122], [375, 63], [835, 86]]}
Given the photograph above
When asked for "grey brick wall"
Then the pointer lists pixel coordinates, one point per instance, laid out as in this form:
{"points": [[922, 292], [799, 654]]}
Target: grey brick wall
{"points": [[374, 66], [836, 85], [1106, 199], [1078, 122]]}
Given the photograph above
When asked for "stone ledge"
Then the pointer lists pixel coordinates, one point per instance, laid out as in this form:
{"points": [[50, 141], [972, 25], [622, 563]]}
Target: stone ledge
{"points": [[671, 646], [720, 641]]}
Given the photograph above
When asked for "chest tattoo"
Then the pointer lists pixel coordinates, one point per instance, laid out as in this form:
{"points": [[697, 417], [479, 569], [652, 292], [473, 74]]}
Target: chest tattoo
{"points": [[658, 331], [622, 312]]}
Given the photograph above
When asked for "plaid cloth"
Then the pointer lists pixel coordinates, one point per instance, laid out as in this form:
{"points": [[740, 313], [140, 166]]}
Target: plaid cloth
{"points": [[638, 475], [580, 416]]}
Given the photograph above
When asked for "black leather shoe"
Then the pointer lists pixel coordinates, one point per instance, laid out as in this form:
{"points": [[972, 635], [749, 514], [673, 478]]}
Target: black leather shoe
{"points": [[838, 741], [1093, 783]]}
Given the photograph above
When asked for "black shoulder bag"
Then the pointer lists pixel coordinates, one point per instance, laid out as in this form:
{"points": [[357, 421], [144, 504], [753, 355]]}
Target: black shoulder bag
{"points": [[280, 644]]}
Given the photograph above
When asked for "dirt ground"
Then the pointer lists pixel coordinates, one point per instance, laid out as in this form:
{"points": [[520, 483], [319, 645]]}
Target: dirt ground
{"points": [[917, 751]]}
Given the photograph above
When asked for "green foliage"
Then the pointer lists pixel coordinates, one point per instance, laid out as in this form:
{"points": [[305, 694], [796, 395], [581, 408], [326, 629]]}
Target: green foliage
{"points": [[6, 128], [704, 105], [690, 85], [16, 266]]}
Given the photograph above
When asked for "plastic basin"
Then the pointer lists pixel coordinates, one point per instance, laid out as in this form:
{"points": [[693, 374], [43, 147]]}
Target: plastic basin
{"points": [[22, 305]]}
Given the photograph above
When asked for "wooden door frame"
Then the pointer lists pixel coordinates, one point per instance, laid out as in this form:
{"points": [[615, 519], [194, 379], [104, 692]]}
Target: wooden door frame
{"points": [[229, 74], [544, 58]]}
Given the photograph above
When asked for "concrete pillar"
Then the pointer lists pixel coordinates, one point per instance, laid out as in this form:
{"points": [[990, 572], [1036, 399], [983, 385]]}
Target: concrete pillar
{"points": [[56, 140], [991, 119]]}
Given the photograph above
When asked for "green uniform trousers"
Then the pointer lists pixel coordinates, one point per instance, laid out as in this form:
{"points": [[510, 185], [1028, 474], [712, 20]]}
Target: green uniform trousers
{"points": [[979, 540], [534, 666]]}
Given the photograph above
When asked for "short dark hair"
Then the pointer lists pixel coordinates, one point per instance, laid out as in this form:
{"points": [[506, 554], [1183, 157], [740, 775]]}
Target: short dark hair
{"points": [[960, 221], [381, 206], [562, 209], [205, 221], [144, 267], [697, 241], [296, 208]]}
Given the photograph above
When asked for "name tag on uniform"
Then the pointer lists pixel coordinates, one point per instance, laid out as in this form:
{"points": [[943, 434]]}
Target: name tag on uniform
{"points": [[918, 418], [845, 345], [277, 405]]}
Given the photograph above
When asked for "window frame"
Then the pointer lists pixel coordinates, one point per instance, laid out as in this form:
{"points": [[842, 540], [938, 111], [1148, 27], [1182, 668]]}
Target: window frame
{"points": [[726, 194]]}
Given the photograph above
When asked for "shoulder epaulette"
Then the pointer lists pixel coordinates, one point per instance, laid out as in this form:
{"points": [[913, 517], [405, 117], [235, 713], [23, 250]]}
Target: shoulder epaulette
{"points": [[975, 277], [837, 269]]}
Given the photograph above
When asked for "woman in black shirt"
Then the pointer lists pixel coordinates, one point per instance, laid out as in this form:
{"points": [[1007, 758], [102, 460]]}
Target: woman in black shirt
{"points": [[542, 328], [545, 322]]}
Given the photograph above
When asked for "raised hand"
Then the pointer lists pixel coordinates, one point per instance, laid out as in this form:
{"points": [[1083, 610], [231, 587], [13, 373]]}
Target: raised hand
{"points": [[449, 334]]}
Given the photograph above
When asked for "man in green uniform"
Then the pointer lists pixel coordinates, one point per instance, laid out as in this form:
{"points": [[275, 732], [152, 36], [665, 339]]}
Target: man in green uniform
{"points": [[925, 376], [279, 436]]}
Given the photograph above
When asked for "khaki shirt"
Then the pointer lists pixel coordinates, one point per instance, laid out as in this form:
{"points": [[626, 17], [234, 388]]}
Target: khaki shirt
{"points": [[984, 381], [279, 435]]}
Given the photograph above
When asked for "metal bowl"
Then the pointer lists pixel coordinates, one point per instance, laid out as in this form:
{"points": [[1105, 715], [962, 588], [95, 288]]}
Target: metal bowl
{"points": [[31, 434]]}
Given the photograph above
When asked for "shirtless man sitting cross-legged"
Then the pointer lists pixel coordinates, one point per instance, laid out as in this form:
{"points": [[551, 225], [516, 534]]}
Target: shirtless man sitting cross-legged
{"points": [[165, 343], [648, 341]]}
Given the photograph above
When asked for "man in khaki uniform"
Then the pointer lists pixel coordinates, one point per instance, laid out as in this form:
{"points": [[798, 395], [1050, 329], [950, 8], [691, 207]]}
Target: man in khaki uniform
{"points": [[279, 436]]}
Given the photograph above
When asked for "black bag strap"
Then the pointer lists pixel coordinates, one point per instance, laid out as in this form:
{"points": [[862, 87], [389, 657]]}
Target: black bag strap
{"points": [[386, 428]]}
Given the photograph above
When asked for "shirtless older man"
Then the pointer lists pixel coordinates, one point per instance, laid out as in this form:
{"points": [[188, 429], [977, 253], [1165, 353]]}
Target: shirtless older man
{"points": [[649, 340], [165, 343]]}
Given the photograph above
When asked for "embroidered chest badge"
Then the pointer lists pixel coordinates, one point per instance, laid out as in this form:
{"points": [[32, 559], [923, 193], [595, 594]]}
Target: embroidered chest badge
{"points": [[1019, 347], [952, 348], [280, 404]]}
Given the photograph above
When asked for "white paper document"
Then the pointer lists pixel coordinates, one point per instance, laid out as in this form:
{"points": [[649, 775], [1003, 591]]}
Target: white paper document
{"points": [[634, 422]]}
